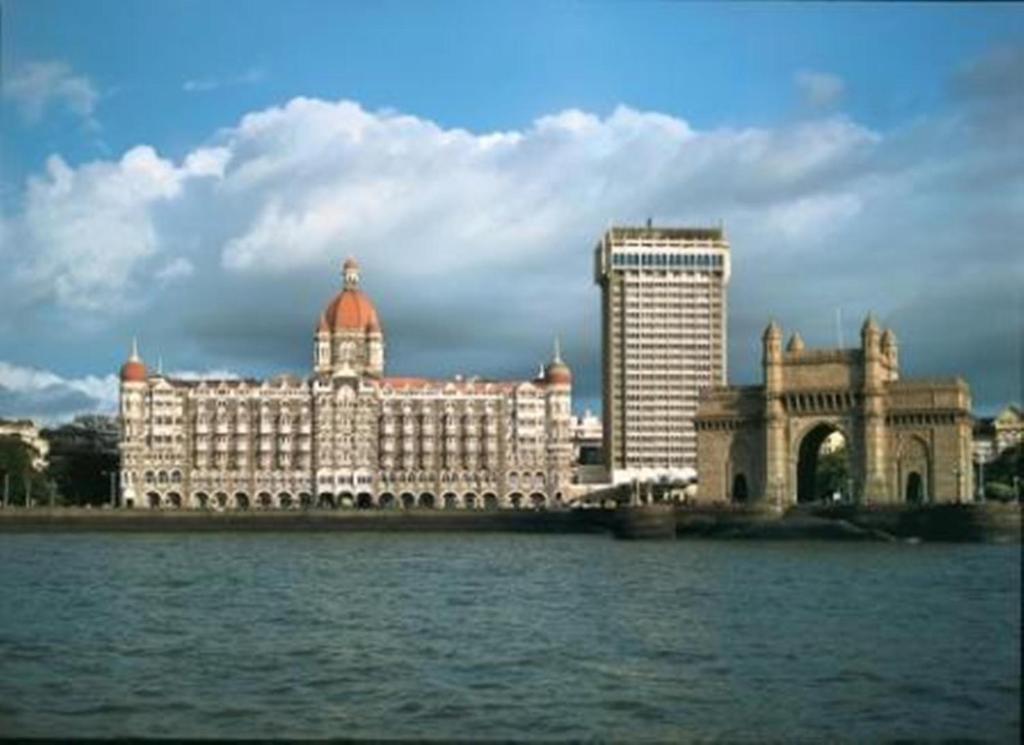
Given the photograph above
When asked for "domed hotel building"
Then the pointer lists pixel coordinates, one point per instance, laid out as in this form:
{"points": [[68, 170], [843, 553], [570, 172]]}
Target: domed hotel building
{"points": [[346, 436]]}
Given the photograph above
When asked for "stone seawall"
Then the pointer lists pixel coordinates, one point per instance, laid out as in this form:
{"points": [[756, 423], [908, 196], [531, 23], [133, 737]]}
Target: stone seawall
{"points": [[57, 519], [995, 523]]}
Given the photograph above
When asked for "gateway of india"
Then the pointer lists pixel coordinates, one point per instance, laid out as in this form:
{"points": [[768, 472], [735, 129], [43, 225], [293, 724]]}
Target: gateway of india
{"points": [[346, 436]]}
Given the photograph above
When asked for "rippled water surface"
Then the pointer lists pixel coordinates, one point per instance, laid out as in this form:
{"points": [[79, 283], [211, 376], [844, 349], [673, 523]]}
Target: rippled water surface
{"points": [[499, 636]]}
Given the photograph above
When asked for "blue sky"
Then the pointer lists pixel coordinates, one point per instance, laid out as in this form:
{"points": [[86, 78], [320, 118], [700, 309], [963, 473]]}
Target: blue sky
{"points": [[832, 139]]}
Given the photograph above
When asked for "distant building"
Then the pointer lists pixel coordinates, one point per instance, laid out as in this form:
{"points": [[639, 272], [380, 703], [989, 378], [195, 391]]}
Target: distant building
{"points": [[663, 317], [588, 452], [348, 434], [1009, 428], [28, 432], [995, 435]]}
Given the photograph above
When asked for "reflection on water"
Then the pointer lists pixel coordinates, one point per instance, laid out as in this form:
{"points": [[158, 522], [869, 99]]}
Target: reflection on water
{"points": [[496, 636]]}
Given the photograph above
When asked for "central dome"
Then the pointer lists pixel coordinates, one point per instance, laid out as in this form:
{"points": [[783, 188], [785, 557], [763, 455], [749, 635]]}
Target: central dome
{"points": [[351, 309]]}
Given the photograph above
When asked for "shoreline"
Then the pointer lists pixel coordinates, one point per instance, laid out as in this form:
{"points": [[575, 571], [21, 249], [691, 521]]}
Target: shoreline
{"points": [[946, 523]]}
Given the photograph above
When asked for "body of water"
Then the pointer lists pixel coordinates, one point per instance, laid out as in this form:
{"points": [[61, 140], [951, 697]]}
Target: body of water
{"points": [[481, 636]]}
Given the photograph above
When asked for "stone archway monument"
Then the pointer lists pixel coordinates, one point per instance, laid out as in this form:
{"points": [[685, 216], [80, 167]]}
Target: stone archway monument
{"points": [[906, 440]]}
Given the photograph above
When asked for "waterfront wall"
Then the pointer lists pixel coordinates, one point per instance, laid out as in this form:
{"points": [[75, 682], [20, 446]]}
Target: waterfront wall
{"points": [[988, 522]]}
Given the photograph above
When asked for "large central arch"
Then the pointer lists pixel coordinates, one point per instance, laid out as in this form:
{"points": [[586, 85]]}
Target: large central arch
{"points": [[809, 487]]}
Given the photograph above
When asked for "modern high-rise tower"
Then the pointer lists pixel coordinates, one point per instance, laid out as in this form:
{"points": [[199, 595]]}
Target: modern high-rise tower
{"points": [[663, 319]]}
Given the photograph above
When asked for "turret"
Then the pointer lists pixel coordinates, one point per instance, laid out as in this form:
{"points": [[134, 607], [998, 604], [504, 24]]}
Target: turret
{"points": [[134, 370], [870, 340], [891, 354], [796, 343], [771, 358], [557, 372]]}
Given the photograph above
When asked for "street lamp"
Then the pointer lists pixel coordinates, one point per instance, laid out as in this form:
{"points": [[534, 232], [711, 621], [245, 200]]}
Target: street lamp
{"points": [[113, 487], [981, 479]]}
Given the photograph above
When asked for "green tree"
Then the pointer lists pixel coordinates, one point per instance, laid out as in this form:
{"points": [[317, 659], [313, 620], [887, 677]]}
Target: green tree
{"points": [[1000, 474], [83, 476], [18, 475], [832, 473]]}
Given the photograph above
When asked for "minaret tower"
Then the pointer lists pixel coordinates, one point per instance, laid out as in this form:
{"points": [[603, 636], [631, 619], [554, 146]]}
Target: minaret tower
{"points": [[875, 377], [557, 379], [131, 417], [775, 421]]}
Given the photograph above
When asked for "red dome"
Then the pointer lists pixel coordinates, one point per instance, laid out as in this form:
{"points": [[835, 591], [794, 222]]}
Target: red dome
{"points": [[133, 371], [351, 310], [558, 373]]}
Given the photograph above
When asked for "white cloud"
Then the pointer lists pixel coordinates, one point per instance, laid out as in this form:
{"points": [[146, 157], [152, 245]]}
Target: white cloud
{"points": [[36, 86], [820, 89], [211, 374], [204, 85], [177, 268], [48, 397], [85, 232], [481, 241]]}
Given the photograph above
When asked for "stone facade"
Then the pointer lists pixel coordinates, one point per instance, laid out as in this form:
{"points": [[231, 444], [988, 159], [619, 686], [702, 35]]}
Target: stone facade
{"points": [[346, 436], [663, 320], [907, 440]]}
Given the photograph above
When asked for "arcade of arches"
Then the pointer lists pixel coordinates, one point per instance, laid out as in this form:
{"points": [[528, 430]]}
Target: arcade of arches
{"points": [[221, 501], [903, 441]]}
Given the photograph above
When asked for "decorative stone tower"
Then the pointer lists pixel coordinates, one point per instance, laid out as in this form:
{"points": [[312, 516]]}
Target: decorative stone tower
{"points": [[875, 377], [349, 341], [134, 377], [558, 417], [775, 419]]}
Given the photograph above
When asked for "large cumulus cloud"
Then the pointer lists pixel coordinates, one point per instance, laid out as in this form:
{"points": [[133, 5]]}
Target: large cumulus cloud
{"points": [[477, 247]]}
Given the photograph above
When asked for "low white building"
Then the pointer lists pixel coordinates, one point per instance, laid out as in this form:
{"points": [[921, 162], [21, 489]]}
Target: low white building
{"points": [[28, 432]]}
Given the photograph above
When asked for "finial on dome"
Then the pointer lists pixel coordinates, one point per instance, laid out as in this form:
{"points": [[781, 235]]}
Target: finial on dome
{"points": [[159, 364], [133, 371], [558, 350], [350, 273]]}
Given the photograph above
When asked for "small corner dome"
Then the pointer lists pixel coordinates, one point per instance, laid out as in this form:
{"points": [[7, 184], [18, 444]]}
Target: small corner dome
{"points": [[558, 373], [796, 343], [133, 371]]}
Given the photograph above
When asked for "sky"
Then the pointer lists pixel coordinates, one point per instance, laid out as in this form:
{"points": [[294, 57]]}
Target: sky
{"points": [[193, 173]]}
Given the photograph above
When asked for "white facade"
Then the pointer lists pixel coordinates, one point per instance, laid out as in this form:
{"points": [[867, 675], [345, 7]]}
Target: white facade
{"points": [[664, 311], [346, 436], [28, 432]]}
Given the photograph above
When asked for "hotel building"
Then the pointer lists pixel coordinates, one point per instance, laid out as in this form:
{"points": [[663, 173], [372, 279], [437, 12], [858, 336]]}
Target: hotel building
{"points": [[663, 319], [348, 435]]}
